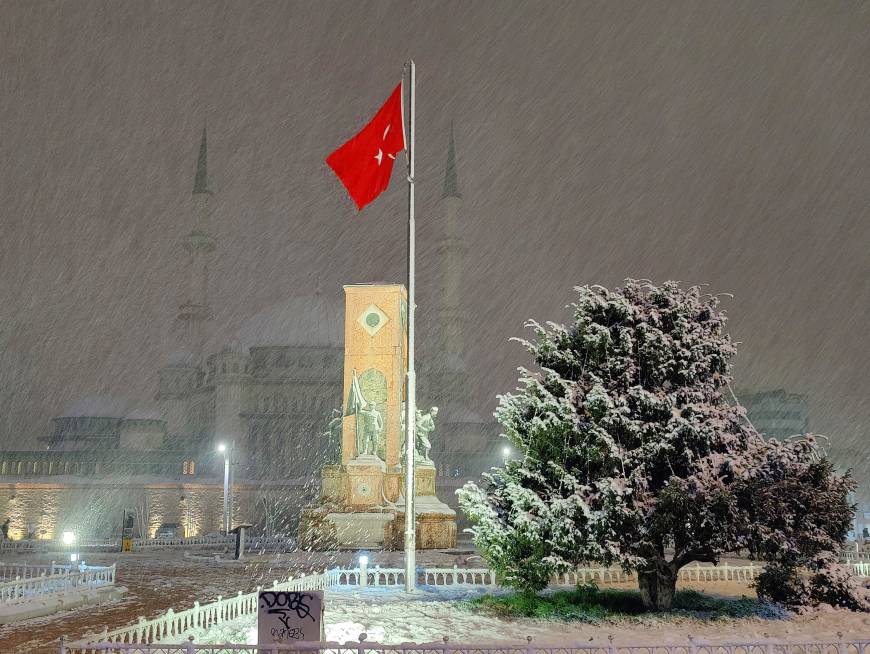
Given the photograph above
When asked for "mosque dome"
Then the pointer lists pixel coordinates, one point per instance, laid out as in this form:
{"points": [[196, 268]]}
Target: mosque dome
{"points": [[97, 405], [303, 321], [181, 359], [144, 412]]}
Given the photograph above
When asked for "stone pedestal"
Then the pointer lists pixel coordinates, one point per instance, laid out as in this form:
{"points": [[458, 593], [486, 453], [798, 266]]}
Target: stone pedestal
{"points": [[353, 512], [361, 530], [363, 481], [424, 480], [436, 522]]}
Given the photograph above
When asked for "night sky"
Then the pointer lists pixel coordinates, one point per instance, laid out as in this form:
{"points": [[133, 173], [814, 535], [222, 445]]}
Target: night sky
{"points": [[714, 143]]}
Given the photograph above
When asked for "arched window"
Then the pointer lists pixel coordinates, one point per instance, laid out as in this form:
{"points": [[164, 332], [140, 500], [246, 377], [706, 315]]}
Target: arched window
{"points": [[188, 467]]}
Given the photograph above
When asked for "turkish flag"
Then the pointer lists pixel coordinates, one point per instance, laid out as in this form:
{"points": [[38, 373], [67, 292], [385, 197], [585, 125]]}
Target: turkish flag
{"points": [[364, 163]]}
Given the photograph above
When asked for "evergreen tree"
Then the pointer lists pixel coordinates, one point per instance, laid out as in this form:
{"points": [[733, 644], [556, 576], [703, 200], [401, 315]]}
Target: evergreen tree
{"points": [[630, 453]]}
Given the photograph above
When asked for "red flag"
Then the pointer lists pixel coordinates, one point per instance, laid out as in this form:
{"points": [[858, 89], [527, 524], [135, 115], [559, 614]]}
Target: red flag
{"points": [[364, 163]]}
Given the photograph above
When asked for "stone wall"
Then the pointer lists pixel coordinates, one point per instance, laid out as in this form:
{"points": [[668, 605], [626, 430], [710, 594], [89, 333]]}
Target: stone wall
{"points": [[94, 508]]}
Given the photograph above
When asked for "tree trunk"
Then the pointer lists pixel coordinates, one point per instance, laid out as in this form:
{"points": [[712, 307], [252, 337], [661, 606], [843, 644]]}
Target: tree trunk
{"points": [[658, 582]]}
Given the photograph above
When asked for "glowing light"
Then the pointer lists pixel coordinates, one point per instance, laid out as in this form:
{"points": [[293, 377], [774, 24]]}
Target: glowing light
{"points": [[73, 558], [222, 448], [68, 538], [363, 560], [506, 452]]}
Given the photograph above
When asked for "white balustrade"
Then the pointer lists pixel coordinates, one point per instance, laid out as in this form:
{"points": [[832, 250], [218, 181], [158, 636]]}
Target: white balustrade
{"points": [[56, 579], [848, 556], [24, 545], [860, 569], [27, 570], [723, 572]]}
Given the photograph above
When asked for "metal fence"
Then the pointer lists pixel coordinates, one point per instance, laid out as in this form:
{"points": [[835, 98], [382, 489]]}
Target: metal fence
{"points": [[445, 647]]}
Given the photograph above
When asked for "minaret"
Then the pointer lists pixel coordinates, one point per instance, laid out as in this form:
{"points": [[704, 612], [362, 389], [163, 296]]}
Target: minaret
{"points": [[451, 251], [195, 310]]}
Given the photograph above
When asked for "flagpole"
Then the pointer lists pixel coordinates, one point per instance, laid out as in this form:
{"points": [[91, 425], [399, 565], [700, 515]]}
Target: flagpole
{"points": [[411, 390]]}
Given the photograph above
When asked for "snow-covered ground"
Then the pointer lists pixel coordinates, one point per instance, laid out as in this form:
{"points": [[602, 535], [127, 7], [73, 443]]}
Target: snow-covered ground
{"points": [[387, 616], [160, 580]]}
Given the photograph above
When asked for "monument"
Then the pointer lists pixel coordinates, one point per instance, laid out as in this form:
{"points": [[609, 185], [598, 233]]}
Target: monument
{"points": [[361, 502]]}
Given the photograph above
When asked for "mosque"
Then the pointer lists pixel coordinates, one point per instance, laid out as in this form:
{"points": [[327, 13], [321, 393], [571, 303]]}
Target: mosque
{"points": [[270, 403]]}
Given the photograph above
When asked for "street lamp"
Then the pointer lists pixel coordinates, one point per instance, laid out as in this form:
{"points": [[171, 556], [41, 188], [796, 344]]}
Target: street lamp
{"points": [[68, 538], [363, 570], [506, 452], [226, 452]]}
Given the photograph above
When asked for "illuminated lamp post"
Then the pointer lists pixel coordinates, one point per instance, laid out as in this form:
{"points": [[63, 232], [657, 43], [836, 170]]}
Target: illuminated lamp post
{"points": [[227, 452]]}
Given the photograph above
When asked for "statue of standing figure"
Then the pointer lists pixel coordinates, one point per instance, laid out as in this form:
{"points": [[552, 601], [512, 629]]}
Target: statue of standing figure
{"points": [[370, 426], [333, 435], [425, 426]]}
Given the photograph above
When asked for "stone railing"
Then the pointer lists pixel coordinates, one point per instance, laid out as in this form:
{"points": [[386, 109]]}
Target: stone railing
{"points": [[25, 545], [27, 570], [583, 575], [849, 556], [22, 589], [201, 542], [722, 572], [269, 543], [378, 576], [446, 647], [860, 569]]}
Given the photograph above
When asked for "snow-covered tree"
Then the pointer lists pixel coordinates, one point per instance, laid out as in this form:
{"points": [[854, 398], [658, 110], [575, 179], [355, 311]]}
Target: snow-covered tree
{"points": [[629, 451], [796, 515]]}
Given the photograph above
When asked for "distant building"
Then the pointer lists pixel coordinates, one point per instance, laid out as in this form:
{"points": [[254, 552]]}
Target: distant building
{"points": [[861, 522], [776, 414], [270, 393]]}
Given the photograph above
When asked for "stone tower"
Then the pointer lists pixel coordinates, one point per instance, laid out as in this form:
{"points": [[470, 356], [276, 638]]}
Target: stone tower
{"points": [[195, 311], [465, 434], [183, 373]]}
